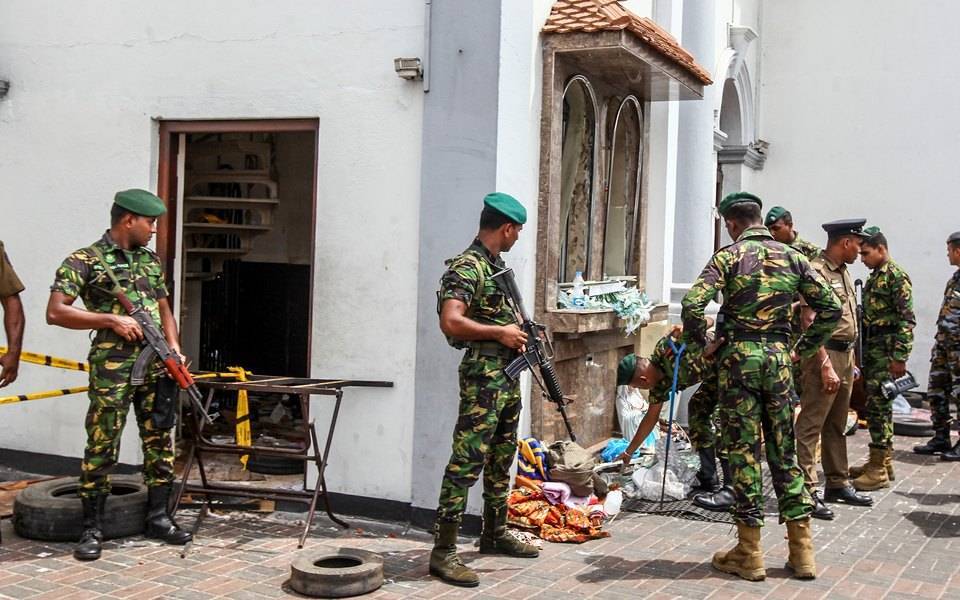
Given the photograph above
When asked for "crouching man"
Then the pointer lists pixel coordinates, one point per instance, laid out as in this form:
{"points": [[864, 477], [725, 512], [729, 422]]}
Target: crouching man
{"points": [[88, 274]]}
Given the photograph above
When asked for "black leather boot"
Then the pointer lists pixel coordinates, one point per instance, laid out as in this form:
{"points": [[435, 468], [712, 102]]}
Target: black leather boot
{"points": [[160, 525], [953, 454], [723, 499], [707, 480], [88, 548], [939, 443]]}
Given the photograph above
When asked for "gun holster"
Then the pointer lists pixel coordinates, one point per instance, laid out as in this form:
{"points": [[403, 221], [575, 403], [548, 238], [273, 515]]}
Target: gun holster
{"points": [[164, 414]]}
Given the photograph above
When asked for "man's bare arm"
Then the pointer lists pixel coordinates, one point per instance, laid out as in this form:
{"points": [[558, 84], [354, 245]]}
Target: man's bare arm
{"points": [[455, 323], [61, 312], [13, 325]]}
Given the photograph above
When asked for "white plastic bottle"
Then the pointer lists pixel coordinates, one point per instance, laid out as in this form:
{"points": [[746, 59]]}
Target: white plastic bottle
{"points": [[576, 295]]}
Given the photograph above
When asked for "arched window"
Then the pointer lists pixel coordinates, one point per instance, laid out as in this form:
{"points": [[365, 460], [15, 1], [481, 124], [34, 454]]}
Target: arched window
{"points": [[623, 191], [578, 149]]}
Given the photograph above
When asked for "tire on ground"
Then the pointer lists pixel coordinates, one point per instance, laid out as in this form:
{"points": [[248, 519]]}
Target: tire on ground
{"points": [[912, 426], [51, 510], [336, 572], [274, 465]]}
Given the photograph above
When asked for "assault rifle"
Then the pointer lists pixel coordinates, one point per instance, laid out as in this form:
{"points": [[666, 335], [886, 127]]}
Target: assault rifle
{"points": [[537, 352], [157, 347]]}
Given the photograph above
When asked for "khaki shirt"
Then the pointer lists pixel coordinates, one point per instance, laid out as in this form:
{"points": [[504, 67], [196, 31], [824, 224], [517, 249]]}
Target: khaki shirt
{"points": [[10, 284], [838, 278]]}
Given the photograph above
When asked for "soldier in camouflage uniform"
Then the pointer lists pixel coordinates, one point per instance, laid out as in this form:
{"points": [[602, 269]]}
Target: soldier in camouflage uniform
{"points": [[656, 374], [758, 278], [475, 315], [888, 323], [780, 223], [116, 346], [944, 383]]}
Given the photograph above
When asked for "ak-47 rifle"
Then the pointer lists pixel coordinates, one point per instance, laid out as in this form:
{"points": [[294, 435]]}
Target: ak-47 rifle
{"points": [[156, 347], [538, 353]]}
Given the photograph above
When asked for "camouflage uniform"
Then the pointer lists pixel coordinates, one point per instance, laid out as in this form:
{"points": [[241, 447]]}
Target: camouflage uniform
{"points": [[888, 323], [702, 412], [759, 279], [944, 383], [811, 251], [485, 436], [111, 362]]}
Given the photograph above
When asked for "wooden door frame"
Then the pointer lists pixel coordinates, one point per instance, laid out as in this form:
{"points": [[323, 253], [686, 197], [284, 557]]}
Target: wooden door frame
{"points": [[170, 131]]}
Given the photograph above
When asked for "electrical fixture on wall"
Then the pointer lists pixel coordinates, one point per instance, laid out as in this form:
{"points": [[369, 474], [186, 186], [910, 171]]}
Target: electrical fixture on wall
{"points": [[4, 88], [408, 68]]}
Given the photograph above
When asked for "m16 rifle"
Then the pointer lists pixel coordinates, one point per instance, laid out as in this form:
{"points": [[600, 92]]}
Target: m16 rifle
{"points": [[537, 354]]}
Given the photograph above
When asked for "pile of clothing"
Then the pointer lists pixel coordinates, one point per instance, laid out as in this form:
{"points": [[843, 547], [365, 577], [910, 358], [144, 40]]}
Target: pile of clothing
{"points": [[557, 494]]}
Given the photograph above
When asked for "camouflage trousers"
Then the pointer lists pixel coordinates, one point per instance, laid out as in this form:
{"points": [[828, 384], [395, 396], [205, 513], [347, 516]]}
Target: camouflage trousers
{"points": [[110, 398], [702, 413], [484, 439], [876, 370], [756, 383], [944, 383]]}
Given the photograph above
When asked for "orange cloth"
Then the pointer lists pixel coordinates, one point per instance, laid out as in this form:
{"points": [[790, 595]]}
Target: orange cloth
{"points": [[555, 523]]}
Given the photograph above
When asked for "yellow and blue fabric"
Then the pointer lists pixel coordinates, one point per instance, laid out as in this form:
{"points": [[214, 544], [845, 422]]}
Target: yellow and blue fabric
{"points": [[532, 460]]}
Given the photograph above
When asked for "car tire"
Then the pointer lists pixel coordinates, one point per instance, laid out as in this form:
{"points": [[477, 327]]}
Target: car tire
{"points": [[274, 465], [336, 572], [916, 424], [51, 510]]}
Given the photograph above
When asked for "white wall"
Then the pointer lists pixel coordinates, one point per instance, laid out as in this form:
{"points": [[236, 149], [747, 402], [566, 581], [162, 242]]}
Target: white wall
{"points": [[859, 110], [88, 77]]}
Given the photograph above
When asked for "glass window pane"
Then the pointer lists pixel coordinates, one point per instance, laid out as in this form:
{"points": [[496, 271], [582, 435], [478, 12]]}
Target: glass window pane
{"points": [[576, 178], [621, 231]]}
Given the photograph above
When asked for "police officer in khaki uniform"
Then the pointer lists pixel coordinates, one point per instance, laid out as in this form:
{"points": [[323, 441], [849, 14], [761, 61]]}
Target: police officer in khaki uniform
{"points": [[13, 319], [828, 377]]}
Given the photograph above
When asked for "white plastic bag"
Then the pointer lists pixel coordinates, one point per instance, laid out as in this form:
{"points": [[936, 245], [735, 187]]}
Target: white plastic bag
{"points": [[611, 505], [901, 406], [631, 408]]}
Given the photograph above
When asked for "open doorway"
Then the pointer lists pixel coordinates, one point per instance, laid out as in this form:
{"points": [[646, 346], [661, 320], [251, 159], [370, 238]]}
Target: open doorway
{"points": [[239, 240]]}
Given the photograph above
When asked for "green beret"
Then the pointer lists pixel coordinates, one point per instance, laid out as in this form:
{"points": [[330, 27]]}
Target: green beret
{"points": [[140, 202], [506, 205], [871, 231], [775, 214], [737, 198], [628, 364]]}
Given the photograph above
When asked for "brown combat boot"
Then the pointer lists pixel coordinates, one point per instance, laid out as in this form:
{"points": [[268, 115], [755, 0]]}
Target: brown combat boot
{"points": [[444, 561], [800, 542], [495, 540], [858, 470], [745, 560], [875, 475]]}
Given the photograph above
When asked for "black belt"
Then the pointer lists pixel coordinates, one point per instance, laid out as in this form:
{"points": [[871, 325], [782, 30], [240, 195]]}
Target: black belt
{"points": [[492, 350], [839, 345], [878, 330], [759, 336]]}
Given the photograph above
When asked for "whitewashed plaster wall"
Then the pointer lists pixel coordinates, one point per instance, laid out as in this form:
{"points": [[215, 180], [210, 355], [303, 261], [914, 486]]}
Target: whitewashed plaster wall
{"points": [[88, 78], [859, 111]]}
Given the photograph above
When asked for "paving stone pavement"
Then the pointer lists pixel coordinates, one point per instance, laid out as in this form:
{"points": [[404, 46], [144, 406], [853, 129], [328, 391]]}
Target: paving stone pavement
{"points": [[906, 546]]}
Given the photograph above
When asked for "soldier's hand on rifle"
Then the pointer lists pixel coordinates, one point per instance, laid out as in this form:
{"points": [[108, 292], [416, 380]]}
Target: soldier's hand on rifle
{"points": [[512, 337], [127, 328], [898, 368]]}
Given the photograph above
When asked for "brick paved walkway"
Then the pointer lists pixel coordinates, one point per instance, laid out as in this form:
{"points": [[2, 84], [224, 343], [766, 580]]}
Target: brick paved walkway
{"points": [[907, 546]]}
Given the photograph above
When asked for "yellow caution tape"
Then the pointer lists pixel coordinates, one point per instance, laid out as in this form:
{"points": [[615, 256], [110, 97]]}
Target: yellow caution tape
{"points": [[41, 395], [50, 361], [243, 436]]}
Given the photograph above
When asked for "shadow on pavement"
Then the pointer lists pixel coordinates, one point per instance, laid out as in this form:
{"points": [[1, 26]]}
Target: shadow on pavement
{"points": [[935, 525], [930, 499]]}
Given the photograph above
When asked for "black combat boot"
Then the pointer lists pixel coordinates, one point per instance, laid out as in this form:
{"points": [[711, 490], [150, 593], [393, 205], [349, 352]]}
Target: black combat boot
{"points": [[707, 480], [723, 499], [88, 548], [953, 454], [160, 525], [939, 443]]}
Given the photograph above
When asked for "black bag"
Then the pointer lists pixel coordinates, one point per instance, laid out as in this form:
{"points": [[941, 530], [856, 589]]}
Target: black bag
{"points": [[164, 414]]}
